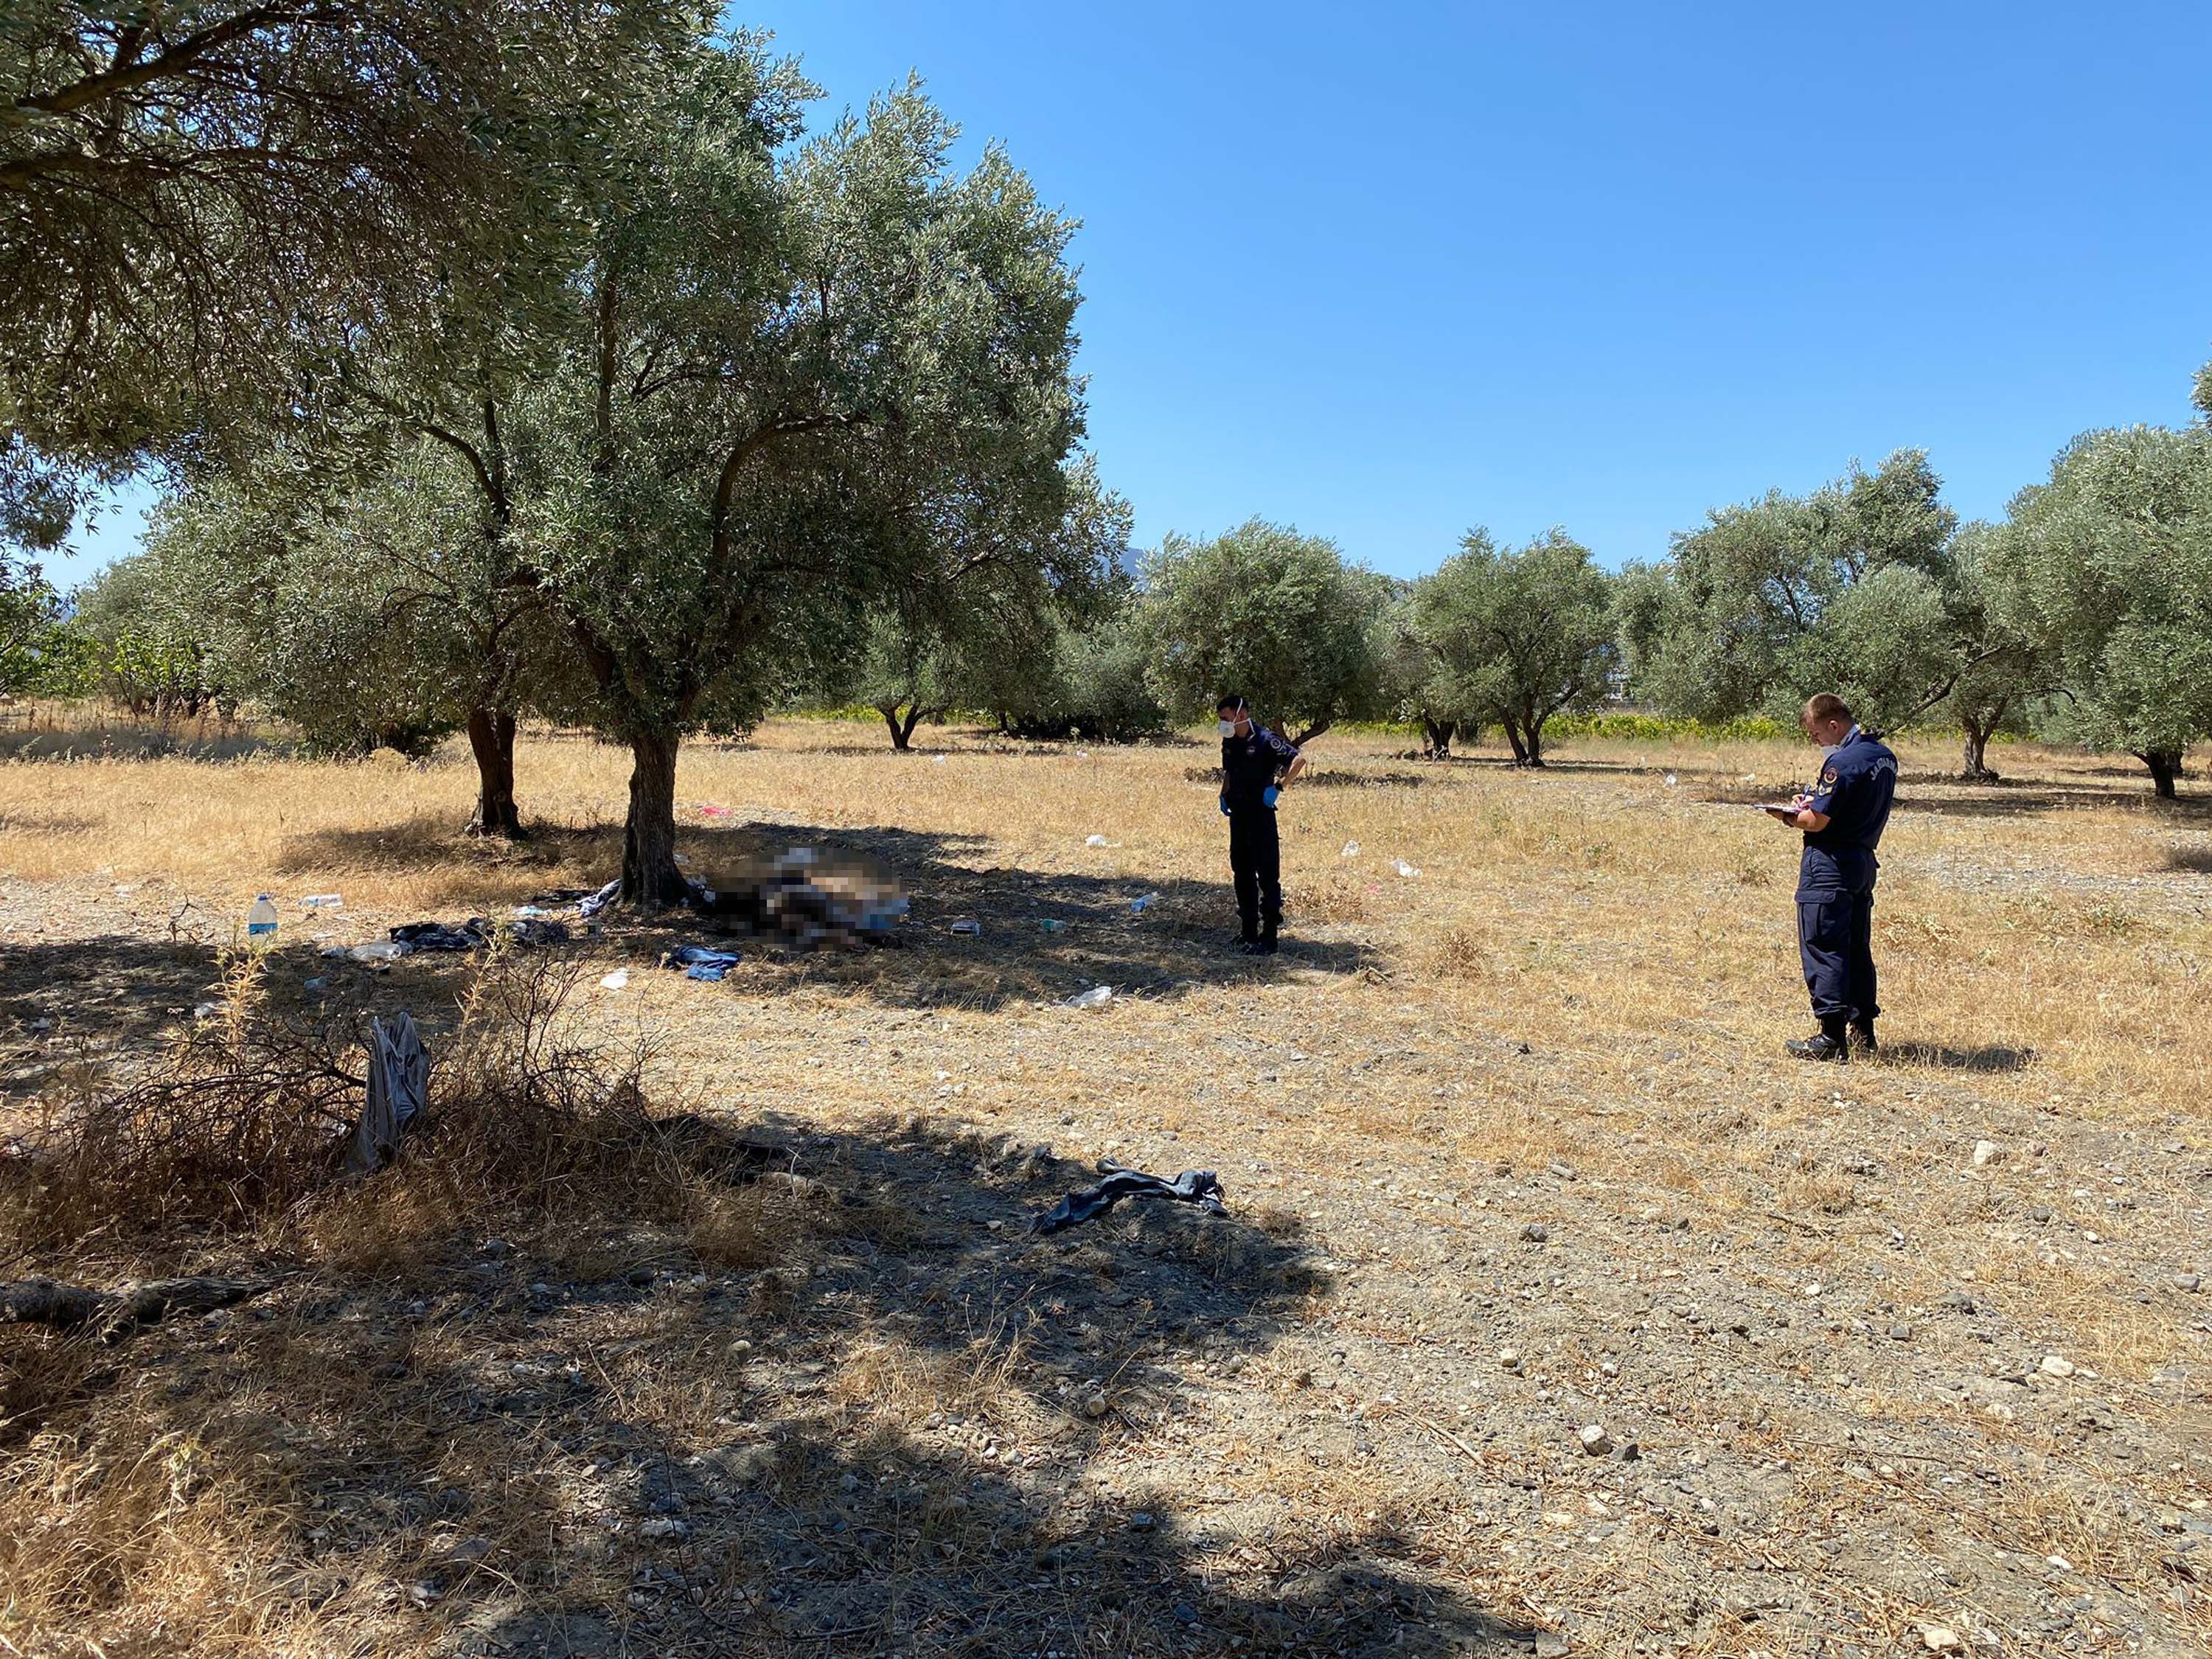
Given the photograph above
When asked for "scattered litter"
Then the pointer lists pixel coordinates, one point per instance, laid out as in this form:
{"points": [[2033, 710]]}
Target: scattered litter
{"points": [[699, 963], [261, 920], [1404, 868], [531, 912], [1138, 906], [598, 901], [1351, 850], [966, 927], [437, 936], [207, 1010], [1670, 780], [322, 902], [1094, 840], [615, 981], [474, 935], [1199, 1186], [1097, 997], [398, 1078], [709, 811], [940, 760], [315, 984], [1052, 924]]}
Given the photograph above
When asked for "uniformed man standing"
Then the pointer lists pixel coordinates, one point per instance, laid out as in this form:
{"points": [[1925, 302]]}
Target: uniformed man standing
{"points": [[1255, 765], [1842, 819]]}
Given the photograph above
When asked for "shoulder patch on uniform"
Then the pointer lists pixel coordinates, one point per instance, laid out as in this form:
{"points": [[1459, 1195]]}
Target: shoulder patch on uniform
{"points": [[1828, 777]]}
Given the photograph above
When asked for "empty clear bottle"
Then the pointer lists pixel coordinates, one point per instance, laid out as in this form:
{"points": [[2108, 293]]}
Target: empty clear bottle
{"points": [[261, 920]]}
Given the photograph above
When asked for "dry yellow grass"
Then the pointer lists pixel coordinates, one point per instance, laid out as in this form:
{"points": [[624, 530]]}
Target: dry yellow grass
{"points": [[1594, 968]]}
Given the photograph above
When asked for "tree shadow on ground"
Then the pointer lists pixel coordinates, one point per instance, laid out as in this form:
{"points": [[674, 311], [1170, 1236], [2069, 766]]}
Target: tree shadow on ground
{"points": [[839, 1399], [2016, 800], [2190, 860], [1999, 800], [65, 998], [1045, 935], [1944, 1058], [197, 741]]}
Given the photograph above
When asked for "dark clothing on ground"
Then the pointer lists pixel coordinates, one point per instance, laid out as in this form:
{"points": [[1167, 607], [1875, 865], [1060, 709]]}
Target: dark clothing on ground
{"points": [[1836, 880], [1250, 765], [1199, 1186]]}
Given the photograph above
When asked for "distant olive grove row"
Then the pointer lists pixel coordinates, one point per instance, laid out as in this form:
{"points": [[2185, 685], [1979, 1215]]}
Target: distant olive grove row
{"points": [[542, 362]]}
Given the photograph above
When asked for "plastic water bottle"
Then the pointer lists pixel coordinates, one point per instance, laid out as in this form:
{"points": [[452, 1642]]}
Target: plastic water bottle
{"points": [[261, 920], [1097, 997]]}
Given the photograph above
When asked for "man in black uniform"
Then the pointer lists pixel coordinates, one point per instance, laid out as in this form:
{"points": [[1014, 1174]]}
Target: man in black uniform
{"points": [[1843, 820], [1255, 765]]}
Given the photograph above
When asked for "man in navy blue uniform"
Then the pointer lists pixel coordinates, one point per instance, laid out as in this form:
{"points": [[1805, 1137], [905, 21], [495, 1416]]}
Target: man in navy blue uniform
{"points": [[1843, 820], [1255, 765]]}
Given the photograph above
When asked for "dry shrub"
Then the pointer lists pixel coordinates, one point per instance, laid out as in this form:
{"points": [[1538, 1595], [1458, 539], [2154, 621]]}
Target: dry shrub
{"points": [[246, 1116], [747, 1227], [1461, 953], [239, 1115], [118, 1520]]}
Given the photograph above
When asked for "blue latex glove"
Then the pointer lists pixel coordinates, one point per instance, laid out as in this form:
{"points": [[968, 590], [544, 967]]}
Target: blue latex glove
{"points": [[1271, 794], [1224, 806]]}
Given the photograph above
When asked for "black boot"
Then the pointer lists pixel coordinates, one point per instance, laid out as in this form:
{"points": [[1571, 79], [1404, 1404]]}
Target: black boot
{"points": [[1262, 946], [1827, 1046], [1862, 1039]]}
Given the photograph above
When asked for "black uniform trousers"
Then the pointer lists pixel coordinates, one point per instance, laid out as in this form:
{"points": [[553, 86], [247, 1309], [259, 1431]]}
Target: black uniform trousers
{"points": [[1835, 943], [1255, 856]]}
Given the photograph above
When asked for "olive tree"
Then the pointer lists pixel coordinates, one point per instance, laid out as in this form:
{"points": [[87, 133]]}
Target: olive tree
{"points": [[2002, 668], [979, 622], [1415, 686], [794, 374], [371, 611], [146, 643], [2107, 567], [1520, 635], [1267, 614], [1768, 602], [182, 185]]}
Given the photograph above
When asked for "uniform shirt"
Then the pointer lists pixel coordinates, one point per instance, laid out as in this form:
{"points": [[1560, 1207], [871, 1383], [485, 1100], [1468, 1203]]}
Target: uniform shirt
{"points": [[1858, 779], [1250, 764]]}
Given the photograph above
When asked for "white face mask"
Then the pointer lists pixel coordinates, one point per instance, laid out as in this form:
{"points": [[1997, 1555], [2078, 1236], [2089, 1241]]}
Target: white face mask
{"points": [[1228, 728]]}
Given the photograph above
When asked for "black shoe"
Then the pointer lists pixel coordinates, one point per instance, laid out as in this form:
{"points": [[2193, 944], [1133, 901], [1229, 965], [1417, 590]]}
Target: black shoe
{"points": [[1260, 947], [1862, 1041], [1819, 1047]]}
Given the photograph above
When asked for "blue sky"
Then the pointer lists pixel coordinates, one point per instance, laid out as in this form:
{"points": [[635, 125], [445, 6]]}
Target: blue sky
{"points": [[1388, 272]]}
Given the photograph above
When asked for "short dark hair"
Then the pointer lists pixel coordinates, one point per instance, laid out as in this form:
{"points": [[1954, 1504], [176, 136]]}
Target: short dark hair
{"points": [[1231, 700], [1827, 705]]}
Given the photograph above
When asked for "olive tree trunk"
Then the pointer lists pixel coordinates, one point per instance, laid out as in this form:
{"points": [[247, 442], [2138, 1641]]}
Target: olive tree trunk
{"points": [[1439, 733], [491, 740], [1976, 753], [2165, 767], [650, 878], [901, 726]]}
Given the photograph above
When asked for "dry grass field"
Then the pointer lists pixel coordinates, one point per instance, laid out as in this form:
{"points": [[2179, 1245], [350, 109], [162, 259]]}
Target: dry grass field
{"points": [[1904, 1357]]}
